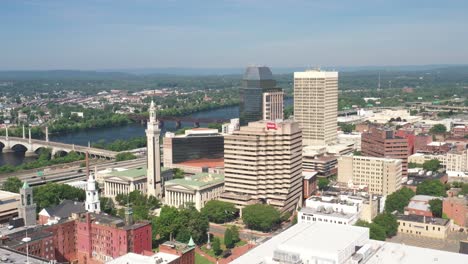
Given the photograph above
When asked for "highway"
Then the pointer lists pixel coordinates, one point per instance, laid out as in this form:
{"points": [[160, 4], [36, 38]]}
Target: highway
{"points": [[75, 172]]}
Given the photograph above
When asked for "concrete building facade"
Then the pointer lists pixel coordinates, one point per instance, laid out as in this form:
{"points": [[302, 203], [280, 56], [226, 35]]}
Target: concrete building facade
{"points": [[382, 176], [263, 164], [27, 207], [316, 106], [9, 203], [273, 104]]}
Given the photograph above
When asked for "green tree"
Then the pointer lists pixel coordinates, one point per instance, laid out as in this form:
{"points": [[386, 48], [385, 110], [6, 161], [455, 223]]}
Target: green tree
{"points": [[438, 129], [12, 184], [216, 246], [431, 187], [323, 183], [217, 126], [376, 231], [178, 173], [398, 200], [235, 234], [346, 128], [261, 217], [124, 156], [219, 212], [228, 241], [107, 205], [436, 207], [51, 194], [389, 222], [413, 165], [431, 165]]}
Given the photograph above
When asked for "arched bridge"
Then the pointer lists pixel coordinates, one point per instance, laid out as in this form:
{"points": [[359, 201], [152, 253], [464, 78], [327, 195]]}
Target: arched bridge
{"points": [[32, 145]]}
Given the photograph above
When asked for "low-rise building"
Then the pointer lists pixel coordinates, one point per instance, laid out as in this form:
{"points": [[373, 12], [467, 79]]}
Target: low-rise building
{"points": [[419, 205], [309, 184], [457, 161], [62, 211], [423, 226], [9, 203], [127, 181], [420, 158], [325, 243], [353, 138], [197, 189], [170, 252], [456, 208]]}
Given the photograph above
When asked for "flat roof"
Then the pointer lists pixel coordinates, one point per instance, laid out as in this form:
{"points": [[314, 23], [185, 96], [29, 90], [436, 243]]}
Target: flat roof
{"points": [[308, 210], [307, 239], [4, 195], [12, 256], [160, 258], [200, 163], [198, 180], [423, 219], [132, 173]]}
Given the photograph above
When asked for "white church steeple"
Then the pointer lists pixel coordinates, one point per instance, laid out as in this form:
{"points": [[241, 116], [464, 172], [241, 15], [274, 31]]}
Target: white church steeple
{"points": [[92, 203]]}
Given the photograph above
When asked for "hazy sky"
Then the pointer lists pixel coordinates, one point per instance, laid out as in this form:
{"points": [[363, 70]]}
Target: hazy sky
{"points": [[103, 34]]}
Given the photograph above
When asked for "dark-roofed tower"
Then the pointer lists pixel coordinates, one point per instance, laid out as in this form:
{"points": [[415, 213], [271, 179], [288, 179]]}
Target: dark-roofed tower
{"points": [[256, 81]]}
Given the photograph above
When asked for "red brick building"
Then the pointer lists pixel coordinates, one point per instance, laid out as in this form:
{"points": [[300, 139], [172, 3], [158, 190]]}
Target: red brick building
{"points": [[410, 137], [185, 252], [383, 143], [421, 141], [101, 237], [456, 209], [310, 183], [460, 131]]}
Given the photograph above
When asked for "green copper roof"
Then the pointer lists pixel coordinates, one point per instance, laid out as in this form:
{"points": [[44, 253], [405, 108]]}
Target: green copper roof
{"points": [[191, 243], [25, 185], [133, 173]]}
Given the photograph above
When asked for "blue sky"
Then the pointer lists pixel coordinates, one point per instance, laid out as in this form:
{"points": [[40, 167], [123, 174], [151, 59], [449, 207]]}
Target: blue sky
{"points": [[113, 34]]}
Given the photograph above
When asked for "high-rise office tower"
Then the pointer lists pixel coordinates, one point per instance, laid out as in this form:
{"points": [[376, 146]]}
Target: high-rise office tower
{"points": [[27, 207], [316, 106], [154, 182], [255, 82], [273, 104], [263, 164]]}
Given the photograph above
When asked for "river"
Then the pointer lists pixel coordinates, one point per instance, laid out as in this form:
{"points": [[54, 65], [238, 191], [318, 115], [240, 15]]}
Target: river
{"points": [[125, 132]]}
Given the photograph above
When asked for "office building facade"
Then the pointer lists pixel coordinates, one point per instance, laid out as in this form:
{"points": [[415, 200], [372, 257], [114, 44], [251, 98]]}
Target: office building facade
{"points": [[273, 104], [382, 176], [316, 106], [263, 164]]}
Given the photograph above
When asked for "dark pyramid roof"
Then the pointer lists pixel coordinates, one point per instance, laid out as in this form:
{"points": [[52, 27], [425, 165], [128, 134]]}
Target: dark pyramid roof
{"points": [[257, 73]]}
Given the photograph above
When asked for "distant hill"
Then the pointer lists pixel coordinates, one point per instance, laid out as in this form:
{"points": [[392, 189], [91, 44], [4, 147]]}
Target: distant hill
{"points": [[62, 75]]}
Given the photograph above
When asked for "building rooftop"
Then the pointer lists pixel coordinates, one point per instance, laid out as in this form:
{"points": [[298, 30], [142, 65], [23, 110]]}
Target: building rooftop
{"points": [[133, 258], [198, 180], [257, 73], [200, 163], [65, 209], [179, 246], [132, 173], [4, 195], [305, 242], [304, 239], [423, 219], [12, 256], [326, 212]]}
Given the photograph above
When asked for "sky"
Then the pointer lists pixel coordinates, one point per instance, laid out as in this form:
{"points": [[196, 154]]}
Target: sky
{"points": [[118, 34]]}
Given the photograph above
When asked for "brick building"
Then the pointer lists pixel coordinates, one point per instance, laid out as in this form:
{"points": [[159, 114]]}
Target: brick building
{"points": [[421, 141], [101, 237], [383, 143], [456, 208]]}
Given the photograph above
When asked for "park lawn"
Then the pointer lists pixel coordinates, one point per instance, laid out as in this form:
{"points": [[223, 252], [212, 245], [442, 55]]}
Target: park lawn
{"points": [[240, 243], [199, 259]]}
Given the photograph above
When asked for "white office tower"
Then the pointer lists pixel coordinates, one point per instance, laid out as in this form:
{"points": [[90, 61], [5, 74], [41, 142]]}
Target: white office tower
{"points": [[92, 204], [316, 106], [154, 183]]}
